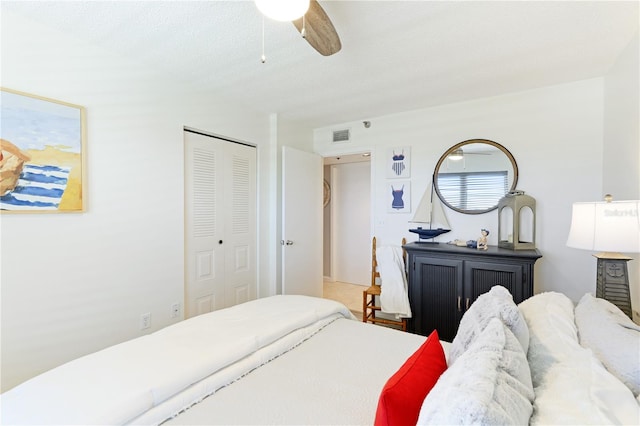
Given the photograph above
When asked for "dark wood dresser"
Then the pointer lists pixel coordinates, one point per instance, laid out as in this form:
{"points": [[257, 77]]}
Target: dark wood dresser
{"points": [[445, 279]]}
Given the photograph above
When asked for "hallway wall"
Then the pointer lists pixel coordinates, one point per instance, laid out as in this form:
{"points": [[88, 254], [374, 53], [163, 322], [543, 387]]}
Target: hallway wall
{"points": [[351, 225]]}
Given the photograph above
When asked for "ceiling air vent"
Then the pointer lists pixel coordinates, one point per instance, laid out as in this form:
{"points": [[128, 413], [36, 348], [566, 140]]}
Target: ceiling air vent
{"points": [[341, 135]]}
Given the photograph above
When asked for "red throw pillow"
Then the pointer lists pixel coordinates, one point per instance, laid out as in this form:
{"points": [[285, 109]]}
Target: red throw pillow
{"points": [[402, 396]]}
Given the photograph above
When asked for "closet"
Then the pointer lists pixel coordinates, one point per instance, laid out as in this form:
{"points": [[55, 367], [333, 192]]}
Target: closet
{"points": [[220, 223]]}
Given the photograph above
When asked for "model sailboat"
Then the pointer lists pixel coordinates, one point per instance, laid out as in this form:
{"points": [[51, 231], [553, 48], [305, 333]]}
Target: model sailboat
{"points": [[430, 211]]}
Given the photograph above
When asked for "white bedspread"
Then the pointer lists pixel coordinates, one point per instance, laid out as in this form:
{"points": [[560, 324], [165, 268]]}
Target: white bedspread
{"points": [[333, 378], [149, 379], [393, 291]]}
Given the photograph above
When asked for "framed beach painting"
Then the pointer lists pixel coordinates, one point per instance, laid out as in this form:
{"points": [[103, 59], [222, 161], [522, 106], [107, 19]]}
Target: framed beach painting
{"points": [[42, 154]]}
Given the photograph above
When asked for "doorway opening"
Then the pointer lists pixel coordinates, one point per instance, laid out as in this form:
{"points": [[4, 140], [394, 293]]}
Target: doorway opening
{"points": [[347, 228]]}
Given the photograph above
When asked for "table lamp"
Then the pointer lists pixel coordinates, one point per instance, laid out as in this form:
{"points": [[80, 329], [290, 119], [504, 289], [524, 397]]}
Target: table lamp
{"points": [[610, 227]]}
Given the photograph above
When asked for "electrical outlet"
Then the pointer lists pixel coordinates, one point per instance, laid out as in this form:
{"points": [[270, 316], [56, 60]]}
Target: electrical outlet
{"points": [[175, 310], [145, 321]]}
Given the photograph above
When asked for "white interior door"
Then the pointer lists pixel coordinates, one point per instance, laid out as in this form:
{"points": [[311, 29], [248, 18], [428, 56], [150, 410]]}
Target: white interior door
{"points": [[220, 223], [301, 222]]}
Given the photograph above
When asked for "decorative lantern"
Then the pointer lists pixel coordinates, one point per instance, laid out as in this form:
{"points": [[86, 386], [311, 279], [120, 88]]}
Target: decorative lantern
{"points": [[517, 221]]}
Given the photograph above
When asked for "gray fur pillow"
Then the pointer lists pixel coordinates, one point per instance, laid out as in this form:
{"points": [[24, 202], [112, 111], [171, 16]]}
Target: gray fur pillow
{"points": [[496, 303], [490, 384]]}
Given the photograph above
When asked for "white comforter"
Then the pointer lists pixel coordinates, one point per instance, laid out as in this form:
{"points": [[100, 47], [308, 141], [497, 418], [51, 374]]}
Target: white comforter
{"points": [[333, 378], [151, 378]]}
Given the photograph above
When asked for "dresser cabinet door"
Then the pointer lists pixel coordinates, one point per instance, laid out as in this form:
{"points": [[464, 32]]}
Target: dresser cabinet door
{"points": [[479, 277], [435, 293], [444, 280]]}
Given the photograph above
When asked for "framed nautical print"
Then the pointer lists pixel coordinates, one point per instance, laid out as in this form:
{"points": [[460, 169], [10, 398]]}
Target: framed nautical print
{"points": [[399, 198], [399, 162], [42, 154]]}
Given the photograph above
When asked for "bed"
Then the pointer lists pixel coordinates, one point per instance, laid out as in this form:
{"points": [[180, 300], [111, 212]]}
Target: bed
{"points": [[303, 360]]}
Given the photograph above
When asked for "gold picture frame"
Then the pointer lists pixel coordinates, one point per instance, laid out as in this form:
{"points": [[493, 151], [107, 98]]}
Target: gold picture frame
{"points": [[42, 154]]}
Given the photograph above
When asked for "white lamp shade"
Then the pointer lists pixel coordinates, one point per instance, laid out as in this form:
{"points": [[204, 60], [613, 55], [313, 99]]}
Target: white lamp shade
{"points": [[606, 226], [283, 10]]}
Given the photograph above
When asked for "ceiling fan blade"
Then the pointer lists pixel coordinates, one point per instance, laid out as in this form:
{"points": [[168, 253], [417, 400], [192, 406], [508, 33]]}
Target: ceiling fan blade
{"points": [[319, 31]]}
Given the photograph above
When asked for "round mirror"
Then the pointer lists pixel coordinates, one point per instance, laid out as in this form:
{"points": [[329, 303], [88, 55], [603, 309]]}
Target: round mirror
{"points": [[472, 176]]}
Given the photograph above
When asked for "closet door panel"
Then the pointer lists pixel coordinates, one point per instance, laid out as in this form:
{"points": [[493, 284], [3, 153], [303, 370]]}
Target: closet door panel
{"points": [[204, 257], [240, 238]]}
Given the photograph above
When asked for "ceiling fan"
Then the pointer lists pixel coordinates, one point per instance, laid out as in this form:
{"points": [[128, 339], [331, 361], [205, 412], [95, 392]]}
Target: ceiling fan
{"points": [[459, 154], [310, 19]]}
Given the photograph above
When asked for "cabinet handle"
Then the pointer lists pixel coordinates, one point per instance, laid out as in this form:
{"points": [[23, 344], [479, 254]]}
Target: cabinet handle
{"points": [[467, 307], [459, 304]]}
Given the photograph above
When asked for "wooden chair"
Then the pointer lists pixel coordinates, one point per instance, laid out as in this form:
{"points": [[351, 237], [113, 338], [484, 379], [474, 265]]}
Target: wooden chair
{"points": [[369, 306]]}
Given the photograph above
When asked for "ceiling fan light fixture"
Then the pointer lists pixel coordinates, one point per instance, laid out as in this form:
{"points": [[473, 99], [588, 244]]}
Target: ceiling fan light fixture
{"points": [[456, 155], [283, 10]]}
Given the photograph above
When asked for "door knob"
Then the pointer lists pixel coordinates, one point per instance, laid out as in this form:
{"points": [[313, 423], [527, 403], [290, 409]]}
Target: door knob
{"points": [[289, 242], [220, 242]]}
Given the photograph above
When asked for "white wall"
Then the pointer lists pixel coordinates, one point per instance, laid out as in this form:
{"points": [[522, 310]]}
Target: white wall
{"points": [[75, 283], [351, 193], [555, 135], [621, 168]]}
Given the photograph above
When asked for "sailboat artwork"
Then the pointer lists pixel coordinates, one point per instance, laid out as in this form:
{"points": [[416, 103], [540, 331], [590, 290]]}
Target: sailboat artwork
{"points": [[430, 211]]}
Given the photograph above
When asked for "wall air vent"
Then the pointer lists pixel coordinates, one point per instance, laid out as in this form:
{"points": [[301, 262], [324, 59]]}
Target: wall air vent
{"points": [[341, 135]]}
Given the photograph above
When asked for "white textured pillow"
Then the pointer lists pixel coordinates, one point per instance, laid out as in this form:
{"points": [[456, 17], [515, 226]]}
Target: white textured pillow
{"points": [[552, 329], [571, 385], [613, 338], [496, 303], [489, 384]]}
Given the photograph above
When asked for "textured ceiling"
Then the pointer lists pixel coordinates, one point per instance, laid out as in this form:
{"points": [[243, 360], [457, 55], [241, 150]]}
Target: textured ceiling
{"points": [[396, 55]]}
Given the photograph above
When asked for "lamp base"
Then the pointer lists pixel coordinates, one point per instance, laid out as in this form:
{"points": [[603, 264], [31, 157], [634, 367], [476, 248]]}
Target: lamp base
{"points": [[612, 280]]}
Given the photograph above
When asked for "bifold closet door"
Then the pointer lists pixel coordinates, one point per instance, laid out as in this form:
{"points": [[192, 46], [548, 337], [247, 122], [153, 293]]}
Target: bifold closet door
{"points": [[220, 223]]}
